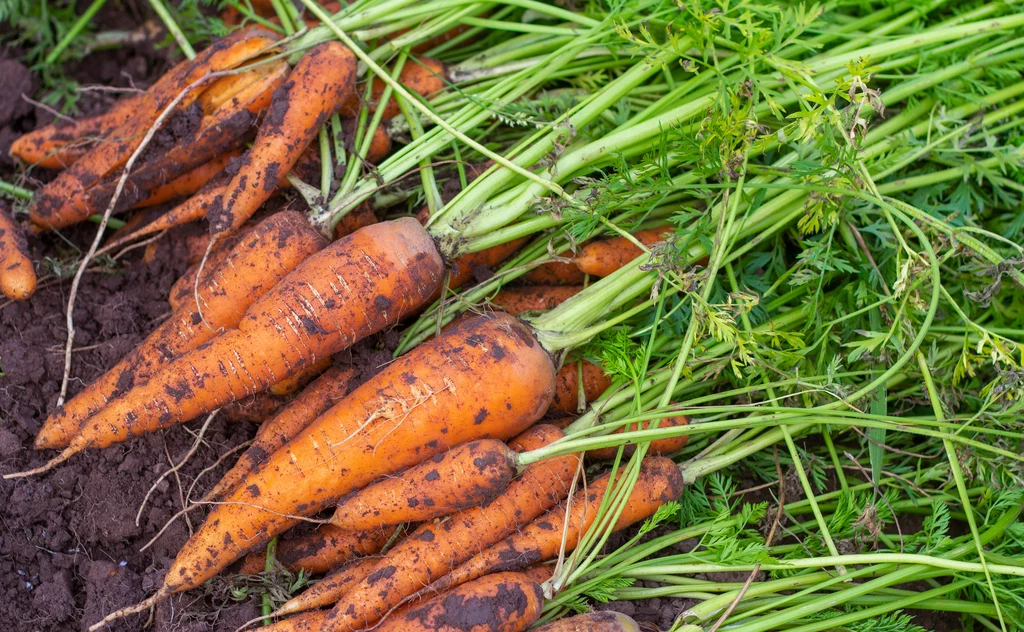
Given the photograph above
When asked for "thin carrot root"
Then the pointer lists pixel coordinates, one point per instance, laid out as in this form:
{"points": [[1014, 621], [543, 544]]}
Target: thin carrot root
{"points": [[660, 447], [325, 549], [557, 272], [471, 474], [315, 88], [254, 409], [606, 621], [330, 589], [17, 275], [601, 258], [567, 394], [191, 210]]}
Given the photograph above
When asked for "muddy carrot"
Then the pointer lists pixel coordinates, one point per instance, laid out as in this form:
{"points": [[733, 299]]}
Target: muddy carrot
{"points": [[659, 447], [313, 401], [567, 394], [363, 215], [422, 76], [317, 85], [535, 298], [601, 258], [293, 384], [330, 589], [557, 272], [322, 550], [659, 482], [254, 408], [191, 210], [275, 247], [380, 145], [471, 474], [64, 201], [191, 182], [436, 547], [305, 622], [17, 276], [606, 621]]}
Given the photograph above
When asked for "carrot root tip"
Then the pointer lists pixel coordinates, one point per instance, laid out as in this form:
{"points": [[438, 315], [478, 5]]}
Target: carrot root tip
{"points": [[46, 467]]}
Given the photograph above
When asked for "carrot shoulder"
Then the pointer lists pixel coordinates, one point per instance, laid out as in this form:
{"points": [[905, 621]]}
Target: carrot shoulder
{"points": [[17, 275]]}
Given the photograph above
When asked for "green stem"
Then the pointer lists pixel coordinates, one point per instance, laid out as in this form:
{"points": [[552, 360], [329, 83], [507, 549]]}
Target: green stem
{"points": [[172, 27], [75, 30]]}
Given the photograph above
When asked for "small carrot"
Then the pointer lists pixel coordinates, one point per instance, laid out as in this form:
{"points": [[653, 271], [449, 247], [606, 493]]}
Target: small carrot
{"points": [[502, 602], [606, 621], [317, 85], [659, 482], [313, 401], [601, 258], [361, 216], [436, 547], [254, 408], [468, 475], [534, 298], [659, 447], [322, 550], [567, 393], [17, 275], [274, 248], [557, 272], [380, 144], [295, 383], [423, 76], [330, 589], [191, 182], [191, 210]]}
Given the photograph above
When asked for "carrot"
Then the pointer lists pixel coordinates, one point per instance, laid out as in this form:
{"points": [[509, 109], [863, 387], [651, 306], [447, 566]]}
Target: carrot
{"points": [[293, 384], [423, 76], [502, 602], [659, 482], [250, 269], [361, 216], [17, 276], [322, 550], [468, 475], [305, 622], [436, 547], [330, 589], [659, 447], [191, 210], [191, 182], [64, 201], [317, 85], [380, 145], [557, 272], [254, 408], [606, 621], [567, 393], [59, 144], [601, 258], [313, 401], [517, 300]]}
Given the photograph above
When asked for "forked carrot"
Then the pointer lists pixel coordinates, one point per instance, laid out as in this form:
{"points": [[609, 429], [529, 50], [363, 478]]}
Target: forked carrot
{"points": [[330, 589], [471, 474], [659, 482], [274, 248], [534, 298], [316, 87], [436, 547], [567, 393], [423, 76], [606, 621], [601, 258], [191, 182], [659, 447], [17, 275], [322, 550]]}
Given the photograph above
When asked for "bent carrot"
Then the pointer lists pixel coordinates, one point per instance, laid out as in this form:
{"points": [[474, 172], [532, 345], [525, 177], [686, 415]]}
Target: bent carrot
{"points": [[436, 547], [17, 275], [659, 447], [468, 475], [606, 621], [601, 258], [274, 248], [567, 393], [64, 201], [330, 589], [659, 482], [534, 298], [423, 403], [191, 182], [191, 210], [313, 401], [503, 602], [317, 85], [423, 76], [322, 550]]}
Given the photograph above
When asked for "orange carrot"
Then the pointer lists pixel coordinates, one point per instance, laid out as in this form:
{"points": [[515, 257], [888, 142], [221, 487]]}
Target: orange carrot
{"points": [[317, 85], [556, 272], [275, 247], [659, 482], [422, 76], [330, 589], [606, 621], [361, 216], [313, 401], [468, 475], [322, 550], [64, 201], [191, 210], [601, 258], [502, 602], [59, 144], [293, 384], [191, 182], [534, 298], [422, 404], [17, 276], [380, 145], [567, 394], [436, 547], [305, 622], [659, 447], [253, 409]]}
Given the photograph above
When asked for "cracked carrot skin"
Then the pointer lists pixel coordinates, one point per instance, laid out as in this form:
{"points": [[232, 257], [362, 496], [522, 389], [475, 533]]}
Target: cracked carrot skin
{"points": [[325, 549], [471, 474], [331, 588], [17, 275], [502, 602], [316, 87], [275, 247], [659, 482], [422, 404], [435, 548], [567, 393], [606, 621], [65, 201]]}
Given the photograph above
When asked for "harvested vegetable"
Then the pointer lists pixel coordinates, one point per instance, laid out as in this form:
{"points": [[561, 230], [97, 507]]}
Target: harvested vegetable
{"points": [[326, 548], [659, 447], [422, 76], [570, 377], [17, 275], [607, 621], [330, 589], [536, 298]]}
